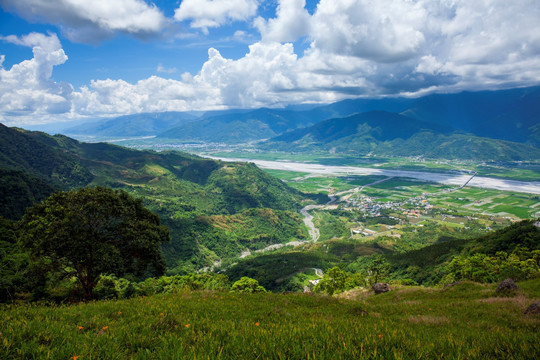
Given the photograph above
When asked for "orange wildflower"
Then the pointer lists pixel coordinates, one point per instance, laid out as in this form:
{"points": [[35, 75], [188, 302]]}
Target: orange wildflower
{"points": [[257, 323], [80, 328], [187, 325], [380, 336], [75, 357], [119, 313], [104, 328], [161, 314]]}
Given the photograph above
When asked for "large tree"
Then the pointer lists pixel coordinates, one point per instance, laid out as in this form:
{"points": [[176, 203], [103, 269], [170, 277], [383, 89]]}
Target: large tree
{"points": [[93, 231]]}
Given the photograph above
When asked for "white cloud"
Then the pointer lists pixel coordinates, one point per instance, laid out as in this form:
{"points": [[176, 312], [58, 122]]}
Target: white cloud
{"points": [[91, 21], [270, 74], [205, 14], [389, 47], [161, 69], [27, 89], [292, 22], [382, 30]]}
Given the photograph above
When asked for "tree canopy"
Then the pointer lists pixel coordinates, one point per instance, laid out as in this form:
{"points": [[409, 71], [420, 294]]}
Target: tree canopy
{"points": [[93, 231]]}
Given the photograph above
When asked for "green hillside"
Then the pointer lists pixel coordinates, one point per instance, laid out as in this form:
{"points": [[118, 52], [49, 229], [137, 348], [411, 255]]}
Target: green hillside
{"points": [[185, 190], [390, 134], [19, 190]]}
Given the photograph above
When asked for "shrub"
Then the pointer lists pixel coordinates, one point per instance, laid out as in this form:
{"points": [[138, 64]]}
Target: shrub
{"points": [[247, 285]]}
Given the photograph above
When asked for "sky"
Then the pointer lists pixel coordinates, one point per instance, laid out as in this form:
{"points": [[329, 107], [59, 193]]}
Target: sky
{"points": [[64, 60]]}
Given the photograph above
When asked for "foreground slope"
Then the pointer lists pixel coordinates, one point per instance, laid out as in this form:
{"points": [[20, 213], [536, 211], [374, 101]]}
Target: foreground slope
{"points": [[467, 320]]}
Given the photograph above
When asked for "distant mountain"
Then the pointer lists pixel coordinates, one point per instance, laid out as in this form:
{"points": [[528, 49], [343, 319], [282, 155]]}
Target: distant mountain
{"points": [[145, 124], [512, 115], [241, 126], [390, 134], [380, 125]]}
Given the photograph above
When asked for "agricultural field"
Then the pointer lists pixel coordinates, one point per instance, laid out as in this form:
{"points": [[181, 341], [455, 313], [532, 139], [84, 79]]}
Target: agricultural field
{"points": [[407, 213], [407, 322]]}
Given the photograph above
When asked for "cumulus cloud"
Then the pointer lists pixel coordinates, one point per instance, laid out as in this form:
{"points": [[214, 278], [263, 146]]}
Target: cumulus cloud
{"points": [[206, 14], [27, 89], [114, 97], [91, 21], [292, 22], [412, 46], [382, 31], [484, 44], [270, 74]]}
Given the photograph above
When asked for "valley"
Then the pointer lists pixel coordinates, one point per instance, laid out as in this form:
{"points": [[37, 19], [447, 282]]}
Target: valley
{"points": [[274, 193], [288, 179], [368, 205]]}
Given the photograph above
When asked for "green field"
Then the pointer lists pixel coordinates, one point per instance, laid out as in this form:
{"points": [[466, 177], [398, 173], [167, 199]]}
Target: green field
{"points": [[464, 321]]}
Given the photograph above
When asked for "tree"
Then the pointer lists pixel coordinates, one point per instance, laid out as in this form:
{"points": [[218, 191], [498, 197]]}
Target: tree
{"points": [[93, 231], [332, 282], [13, 261], [378, 269], [247, 285]]}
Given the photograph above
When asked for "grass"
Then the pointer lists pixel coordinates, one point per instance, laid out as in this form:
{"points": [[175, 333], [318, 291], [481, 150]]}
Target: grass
{"points": [[463, 321]]}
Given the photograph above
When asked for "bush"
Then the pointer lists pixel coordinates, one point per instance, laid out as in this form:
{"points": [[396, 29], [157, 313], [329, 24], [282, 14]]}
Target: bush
{"points": [[105, 287], [247, 285], [337, 280]]}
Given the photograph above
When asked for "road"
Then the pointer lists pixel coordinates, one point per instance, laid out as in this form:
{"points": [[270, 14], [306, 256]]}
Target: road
{"points": [[314, 232], [318, 272], [308, 218]]}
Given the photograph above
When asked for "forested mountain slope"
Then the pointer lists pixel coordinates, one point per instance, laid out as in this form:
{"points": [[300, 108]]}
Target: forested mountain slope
{"points": [[241, 127], [391, 134], [186, 191]]}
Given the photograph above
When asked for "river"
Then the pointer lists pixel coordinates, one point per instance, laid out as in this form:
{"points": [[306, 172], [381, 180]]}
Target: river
{"points": [[531, 187]]}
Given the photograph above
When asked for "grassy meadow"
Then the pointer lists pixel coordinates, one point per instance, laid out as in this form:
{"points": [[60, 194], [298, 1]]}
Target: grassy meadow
{"points": [[464, 321]]}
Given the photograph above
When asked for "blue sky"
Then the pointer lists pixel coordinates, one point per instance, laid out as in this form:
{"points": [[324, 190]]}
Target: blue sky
{"points": [[63, 60]]}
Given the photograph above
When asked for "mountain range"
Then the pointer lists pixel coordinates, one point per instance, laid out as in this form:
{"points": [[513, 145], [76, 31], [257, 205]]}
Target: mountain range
{"points": [[389, 134], [143, 124], [511, 115]]}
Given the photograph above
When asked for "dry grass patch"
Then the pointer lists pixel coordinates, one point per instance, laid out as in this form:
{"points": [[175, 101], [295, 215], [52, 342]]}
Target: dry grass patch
{"points": [[411, 302], [428, 319], [355, 294], [520, 300]]}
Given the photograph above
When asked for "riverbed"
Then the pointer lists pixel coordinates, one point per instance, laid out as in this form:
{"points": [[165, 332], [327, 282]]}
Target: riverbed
{"points": [[531, 187]]}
